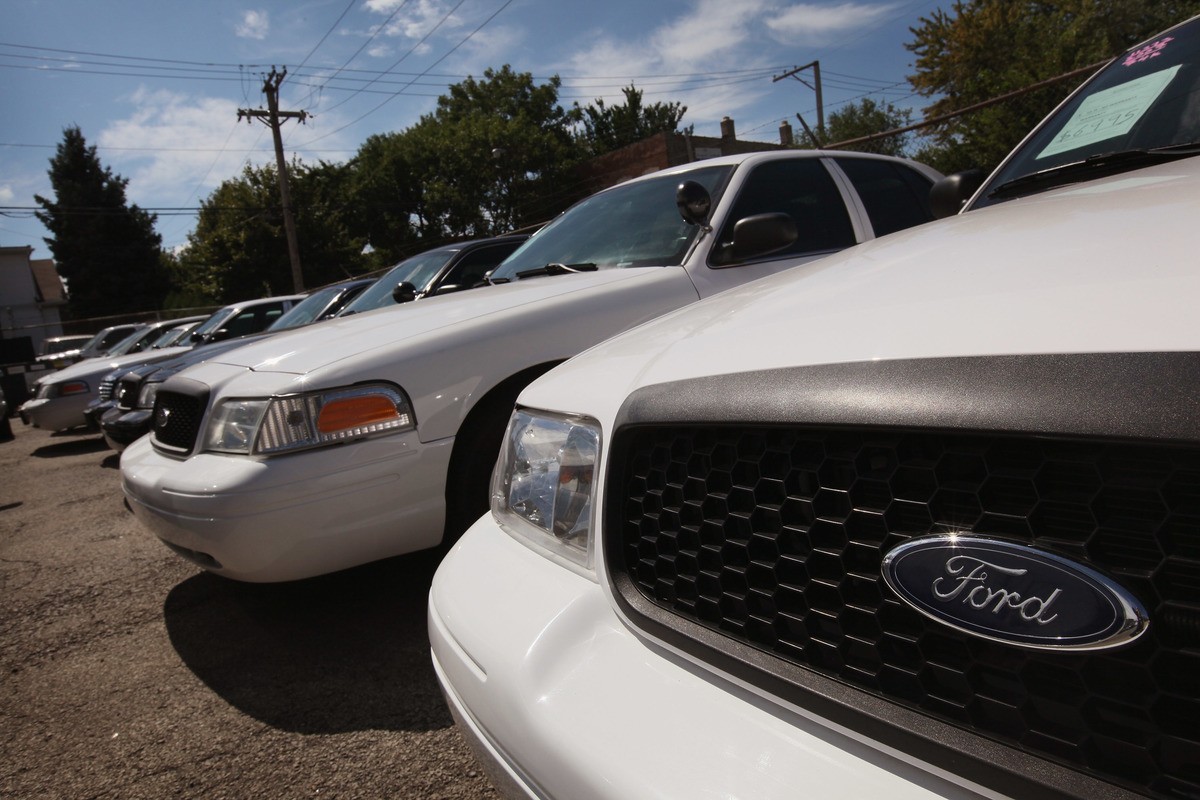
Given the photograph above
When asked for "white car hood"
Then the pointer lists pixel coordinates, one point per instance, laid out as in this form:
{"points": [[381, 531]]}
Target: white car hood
{"points": [[1104, 266], [310, 348], [103, 366]]}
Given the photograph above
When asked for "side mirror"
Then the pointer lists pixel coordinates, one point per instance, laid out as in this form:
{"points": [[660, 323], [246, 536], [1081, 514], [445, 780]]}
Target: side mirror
{"points": [[219, 335], [404, 292], [694, 203], [762, 234], [951, 193]]}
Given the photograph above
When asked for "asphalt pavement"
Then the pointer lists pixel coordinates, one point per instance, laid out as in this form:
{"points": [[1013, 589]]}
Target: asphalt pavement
{"points": [[125, 672]]}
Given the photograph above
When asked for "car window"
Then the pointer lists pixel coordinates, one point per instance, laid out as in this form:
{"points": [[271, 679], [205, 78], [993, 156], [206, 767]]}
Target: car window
{"points": [[805, 191], [252, 320], [1143, 108], [307, 309], [475, 264], [895, 196], [631, 225], [418, 270]]}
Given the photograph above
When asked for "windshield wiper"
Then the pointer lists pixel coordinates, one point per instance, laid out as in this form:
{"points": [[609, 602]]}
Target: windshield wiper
{"points": [[557, 269], [1095, 166]]}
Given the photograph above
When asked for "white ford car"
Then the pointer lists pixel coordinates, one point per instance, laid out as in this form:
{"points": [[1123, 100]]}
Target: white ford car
{"points": [[371, 436], [922, 522]]}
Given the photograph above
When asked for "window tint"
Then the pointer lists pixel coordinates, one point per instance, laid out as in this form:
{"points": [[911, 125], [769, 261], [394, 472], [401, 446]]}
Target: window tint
{"points": [[895, 196], [253, 320], [804, 190], [474, 265]]}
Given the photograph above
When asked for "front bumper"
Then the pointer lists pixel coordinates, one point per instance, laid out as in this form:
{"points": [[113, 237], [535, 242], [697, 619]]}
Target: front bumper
{"points": [[562, 700], [294, 516], [56, 413], [123, 428]]}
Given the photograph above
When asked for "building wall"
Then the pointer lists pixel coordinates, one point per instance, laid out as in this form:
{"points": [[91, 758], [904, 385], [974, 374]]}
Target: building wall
{"points": [[23, 311]]}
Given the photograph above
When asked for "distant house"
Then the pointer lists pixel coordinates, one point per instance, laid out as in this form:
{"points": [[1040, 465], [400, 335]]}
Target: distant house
{"points": [[31, 296]]}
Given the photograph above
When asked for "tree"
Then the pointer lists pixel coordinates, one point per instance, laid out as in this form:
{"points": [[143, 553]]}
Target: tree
{"points": [[107, 251], [984, 48], [865, 118], [238, 249], [608, 128], [494, 156]]}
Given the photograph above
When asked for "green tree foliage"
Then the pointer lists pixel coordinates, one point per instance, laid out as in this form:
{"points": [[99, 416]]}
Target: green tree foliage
{"points": [[108, 251], [867, 117], [495, 155], [607, 128], [983, 48], [238, 250]]}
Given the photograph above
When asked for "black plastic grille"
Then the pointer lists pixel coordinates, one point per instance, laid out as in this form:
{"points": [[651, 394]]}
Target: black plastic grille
{"points": [[175, 422], [127, 392], [105, 392], [774, 538]]}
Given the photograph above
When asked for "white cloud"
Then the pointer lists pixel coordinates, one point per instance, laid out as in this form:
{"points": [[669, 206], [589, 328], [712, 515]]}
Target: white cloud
{"points": [[254, 25], [810, 23], [6, 194], [172, 144]]}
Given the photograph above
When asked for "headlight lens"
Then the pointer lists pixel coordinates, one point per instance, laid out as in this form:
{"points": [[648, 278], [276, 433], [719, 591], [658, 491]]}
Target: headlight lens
{"points": [[544, 482], [147, 393], [283, 424]]}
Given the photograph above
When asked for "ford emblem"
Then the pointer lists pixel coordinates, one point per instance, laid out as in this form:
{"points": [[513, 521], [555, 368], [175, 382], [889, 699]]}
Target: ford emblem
{"points": [[1012, 593]]}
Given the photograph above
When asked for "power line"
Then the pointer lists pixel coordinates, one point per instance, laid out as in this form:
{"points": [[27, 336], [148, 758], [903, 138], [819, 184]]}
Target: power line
{"points": [[444, 56]]}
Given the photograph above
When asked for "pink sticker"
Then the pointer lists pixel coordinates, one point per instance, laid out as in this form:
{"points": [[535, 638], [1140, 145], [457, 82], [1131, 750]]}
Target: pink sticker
{"points": [[1148, 52]]}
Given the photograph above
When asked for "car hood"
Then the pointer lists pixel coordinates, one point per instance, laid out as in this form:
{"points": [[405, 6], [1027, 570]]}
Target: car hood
{"points": [[103, 366], [1103, 266], [306, 349]]}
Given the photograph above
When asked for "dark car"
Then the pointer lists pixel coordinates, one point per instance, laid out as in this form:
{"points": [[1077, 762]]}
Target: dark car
{"points": [[443, 270]]}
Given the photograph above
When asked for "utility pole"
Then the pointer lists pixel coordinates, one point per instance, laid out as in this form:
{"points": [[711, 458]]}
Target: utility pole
{"points": [[273, 118], [816, 87]]}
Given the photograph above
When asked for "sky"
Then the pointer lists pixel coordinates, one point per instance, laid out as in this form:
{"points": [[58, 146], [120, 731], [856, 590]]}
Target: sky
{"points": [[156, 85]]}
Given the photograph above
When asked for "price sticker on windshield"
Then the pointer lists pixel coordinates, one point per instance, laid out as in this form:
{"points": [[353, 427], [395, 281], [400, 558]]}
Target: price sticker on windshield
{"points": [[1112, 112]]}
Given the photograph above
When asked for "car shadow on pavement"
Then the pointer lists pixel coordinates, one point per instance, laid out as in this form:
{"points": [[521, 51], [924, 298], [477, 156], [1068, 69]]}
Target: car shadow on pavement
{"points": [[75, 446], [344, 652]]}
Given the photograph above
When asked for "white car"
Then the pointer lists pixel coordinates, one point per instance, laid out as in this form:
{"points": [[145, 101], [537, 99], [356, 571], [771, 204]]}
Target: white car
{"points": [[371, 436], [923, 522], [60, 399]]}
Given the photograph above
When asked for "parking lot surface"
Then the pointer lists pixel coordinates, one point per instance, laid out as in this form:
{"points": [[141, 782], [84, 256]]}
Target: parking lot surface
{"points": [[127, 673]]}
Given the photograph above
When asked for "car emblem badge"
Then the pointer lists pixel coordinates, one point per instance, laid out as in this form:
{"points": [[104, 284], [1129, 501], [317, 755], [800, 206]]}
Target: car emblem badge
{"points": [[161, 416], [1012, 593]]}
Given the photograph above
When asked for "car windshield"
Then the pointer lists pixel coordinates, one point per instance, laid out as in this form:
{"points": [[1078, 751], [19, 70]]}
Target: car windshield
{"points": [[306, 310], [212, 323], [133, 342], [418, 270], [632, 225], [1142, 108], [172, 335]]}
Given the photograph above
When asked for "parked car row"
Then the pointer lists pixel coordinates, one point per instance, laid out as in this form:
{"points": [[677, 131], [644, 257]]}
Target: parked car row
{"points": [[753, 478]]}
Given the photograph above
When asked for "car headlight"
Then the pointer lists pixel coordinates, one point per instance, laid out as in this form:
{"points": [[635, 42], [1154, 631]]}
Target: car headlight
{"points": [[543, 485], [275, 425], [147, 393]]}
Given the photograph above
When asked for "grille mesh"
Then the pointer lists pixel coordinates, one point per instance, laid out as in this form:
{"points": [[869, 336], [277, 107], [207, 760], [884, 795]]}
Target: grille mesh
{"points": [[774, 537], [175, 422]]}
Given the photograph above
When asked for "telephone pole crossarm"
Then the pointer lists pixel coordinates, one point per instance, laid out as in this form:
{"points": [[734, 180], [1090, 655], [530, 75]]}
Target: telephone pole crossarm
{"points": [[815, 66]]}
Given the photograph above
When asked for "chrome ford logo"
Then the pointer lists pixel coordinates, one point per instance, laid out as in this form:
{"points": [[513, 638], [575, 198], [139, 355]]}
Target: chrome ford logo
{"points": [[1012, 593]]}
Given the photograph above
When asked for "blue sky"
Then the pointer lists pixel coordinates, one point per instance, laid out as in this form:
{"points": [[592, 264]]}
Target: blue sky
{"points": [[156, 85]]}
